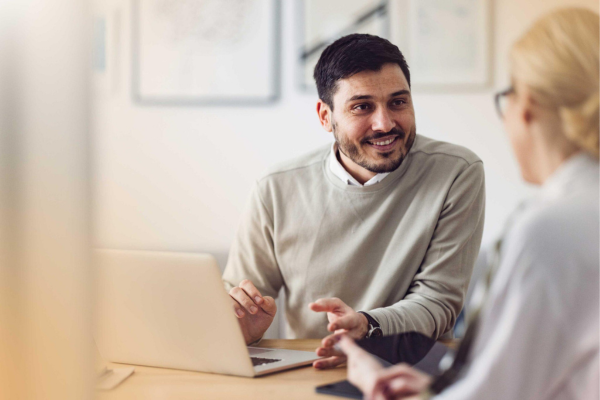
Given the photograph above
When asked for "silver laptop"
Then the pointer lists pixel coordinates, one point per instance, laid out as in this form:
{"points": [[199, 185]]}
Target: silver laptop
{"points": [[171, 310]]}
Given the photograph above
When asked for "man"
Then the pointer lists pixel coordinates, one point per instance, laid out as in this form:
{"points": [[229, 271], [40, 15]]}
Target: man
{"points": [[385, 220]]}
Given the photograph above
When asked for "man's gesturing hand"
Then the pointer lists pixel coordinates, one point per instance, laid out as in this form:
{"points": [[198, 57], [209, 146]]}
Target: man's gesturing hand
{"points": [[342, 320], [255, 312]]}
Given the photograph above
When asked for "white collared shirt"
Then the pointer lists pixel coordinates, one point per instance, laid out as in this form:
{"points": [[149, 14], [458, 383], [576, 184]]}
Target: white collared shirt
{"points": [[339, 171], [539, 329]]}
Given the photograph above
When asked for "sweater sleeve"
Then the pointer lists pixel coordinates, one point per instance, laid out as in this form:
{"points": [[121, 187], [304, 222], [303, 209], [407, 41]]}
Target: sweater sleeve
{"points": [[439, 287], [252, 254]]}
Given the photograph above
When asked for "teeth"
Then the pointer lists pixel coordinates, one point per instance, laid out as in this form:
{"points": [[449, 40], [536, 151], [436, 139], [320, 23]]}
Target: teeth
{"points": [[384, 143]]}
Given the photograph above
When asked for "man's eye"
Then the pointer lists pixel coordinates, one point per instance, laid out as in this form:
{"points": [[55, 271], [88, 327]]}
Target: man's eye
{"points": [[399, 102], [361, 107]]}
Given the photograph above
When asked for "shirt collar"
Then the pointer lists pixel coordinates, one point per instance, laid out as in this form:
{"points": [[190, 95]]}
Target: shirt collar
{"points": [[338, 170]]}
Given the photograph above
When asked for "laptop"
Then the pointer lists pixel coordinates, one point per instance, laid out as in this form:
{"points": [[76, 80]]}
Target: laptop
{"points": [[171, 310]]}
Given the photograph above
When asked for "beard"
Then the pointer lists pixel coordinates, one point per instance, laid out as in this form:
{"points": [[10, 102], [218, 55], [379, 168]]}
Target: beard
{"points": [[386, 162]]}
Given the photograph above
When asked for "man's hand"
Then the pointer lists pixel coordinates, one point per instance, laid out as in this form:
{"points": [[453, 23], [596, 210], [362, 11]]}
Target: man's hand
{"points": [[342, 320], [397, 382], [255, 312]]}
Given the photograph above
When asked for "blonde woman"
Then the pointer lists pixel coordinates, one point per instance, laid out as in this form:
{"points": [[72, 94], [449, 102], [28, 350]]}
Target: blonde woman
{"points": [[537, 335]]}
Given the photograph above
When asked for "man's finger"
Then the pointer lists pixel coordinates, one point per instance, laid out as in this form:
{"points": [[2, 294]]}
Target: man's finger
{"points": [[347, 322], [329, 352], [237, 309], [251, 291], [269, 306], [242, 298], [330, 362], [327, 305], [331, 340]]}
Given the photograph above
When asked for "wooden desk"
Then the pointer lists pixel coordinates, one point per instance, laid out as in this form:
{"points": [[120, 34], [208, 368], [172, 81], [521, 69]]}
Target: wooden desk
{"points": [[157, 383]]}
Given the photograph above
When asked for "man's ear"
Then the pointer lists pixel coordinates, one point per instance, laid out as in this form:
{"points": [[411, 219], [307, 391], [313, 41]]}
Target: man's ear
{"points": [[324, 113]]}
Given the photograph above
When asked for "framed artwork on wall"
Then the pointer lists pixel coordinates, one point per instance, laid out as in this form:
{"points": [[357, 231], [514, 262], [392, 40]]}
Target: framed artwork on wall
{"points": [[448, 43], [206, 52], [322, 22]]}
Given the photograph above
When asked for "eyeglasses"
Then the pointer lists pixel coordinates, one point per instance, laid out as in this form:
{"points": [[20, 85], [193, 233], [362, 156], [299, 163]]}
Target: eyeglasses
{"points": [[501, 100]]}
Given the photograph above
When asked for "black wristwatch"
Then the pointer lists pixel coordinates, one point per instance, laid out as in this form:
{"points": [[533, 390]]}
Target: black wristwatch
{"points": [[374, 327]]}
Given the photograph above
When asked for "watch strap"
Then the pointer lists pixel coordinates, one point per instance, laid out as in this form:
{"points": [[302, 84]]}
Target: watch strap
{"points": [[374, 326]]}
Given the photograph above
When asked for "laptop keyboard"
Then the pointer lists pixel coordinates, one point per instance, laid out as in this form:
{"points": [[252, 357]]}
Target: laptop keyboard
{"points": [[256, 361]]}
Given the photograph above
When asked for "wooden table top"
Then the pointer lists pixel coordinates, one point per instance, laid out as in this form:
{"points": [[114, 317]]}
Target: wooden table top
{"points": [[150, 383]]}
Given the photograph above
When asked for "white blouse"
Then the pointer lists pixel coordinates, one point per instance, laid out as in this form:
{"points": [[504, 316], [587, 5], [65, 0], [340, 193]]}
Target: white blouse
{"points": [[539, 332]]}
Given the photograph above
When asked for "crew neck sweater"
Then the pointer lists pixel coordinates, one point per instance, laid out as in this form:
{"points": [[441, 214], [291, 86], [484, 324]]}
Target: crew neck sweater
{"points": [[402, 250], [338, 170]]}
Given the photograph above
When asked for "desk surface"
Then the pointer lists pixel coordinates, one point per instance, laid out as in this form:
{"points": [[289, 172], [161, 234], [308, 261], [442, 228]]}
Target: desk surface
{"points": [[157, 383]]}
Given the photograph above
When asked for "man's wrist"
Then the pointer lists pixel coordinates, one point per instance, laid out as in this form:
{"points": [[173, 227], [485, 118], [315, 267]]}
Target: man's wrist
{"points": [[364, 325], [373, 327]]}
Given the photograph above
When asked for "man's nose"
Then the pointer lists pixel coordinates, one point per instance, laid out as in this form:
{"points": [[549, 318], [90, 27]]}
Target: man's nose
{"points": [[382, 121]]}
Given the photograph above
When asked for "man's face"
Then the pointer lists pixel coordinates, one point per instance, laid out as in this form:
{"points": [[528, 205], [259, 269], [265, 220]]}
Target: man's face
{"points": [[373, 120]]}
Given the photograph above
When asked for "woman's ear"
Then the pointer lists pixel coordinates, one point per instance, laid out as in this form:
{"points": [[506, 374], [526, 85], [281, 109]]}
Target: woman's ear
{"points": [[527, 103], [324, 113]]}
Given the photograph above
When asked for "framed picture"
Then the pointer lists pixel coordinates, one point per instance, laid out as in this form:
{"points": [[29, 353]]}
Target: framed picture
{"points": [[206, 52], [447, 43], [322, 22]]}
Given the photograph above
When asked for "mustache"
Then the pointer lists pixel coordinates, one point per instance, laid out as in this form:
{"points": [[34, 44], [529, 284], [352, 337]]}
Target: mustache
{"points": [[395, 131]]}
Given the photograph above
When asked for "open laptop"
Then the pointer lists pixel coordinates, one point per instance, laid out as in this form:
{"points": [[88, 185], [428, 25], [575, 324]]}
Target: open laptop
{"points": [[171, 310]]}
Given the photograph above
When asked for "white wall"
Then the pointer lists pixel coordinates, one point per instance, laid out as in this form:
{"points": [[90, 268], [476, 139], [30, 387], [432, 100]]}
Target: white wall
{"points": [[177, 178]]}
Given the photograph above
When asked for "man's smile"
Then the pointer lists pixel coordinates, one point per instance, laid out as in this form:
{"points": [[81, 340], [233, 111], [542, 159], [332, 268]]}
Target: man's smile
{"points": [[385, 143]]}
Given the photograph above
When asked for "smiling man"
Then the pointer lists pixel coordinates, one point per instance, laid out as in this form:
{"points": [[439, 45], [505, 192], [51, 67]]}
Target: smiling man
{"points": [[375, 234]]}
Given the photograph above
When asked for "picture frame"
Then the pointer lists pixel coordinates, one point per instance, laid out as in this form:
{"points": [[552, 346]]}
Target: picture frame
{"points": [[447, 43], [206, 52], [323, 22]]}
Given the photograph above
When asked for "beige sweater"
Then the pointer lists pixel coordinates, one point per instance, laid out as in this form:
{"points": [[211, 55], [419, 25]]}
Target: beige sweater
{"points": [[402, 249]]}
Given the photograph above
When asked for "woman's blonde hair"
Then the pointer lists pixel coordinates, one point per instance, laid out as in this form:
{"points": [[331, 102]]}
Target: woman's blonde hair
{"points": [[558, 58]]}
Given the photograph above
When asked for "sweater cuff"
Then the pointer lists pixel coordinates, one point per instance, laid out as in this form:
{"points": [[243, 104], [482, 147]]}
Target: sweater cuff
{"points": [[228, 286], [379, 315]]}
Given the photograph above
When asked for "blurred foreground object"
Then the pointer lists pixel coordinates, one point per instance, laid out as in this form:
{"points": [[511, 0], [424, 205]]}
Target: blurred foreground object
{"points": [[45, 278]]}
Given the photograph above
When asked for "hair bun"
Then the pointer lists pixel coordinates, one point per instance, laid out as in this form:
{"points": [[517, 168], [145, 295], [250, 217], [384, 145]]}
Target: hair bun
{"points": [[580, 123]]}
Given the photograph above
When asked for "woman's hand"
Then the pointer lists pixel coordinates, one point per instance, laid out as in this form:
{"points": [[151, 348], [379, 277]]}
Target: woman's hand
{"points": [[397, 382]]}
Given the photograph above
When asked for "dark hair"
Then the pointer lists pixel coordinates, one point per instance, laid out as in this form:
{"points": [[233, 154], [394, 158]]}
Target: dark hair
{"points": [[350, 55]]}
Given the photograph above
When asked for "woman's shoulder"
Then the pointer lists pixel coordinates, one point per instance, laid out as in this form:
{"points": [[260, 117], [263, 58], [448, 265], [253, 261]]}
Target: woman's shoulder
{"points": [[565, 228]]}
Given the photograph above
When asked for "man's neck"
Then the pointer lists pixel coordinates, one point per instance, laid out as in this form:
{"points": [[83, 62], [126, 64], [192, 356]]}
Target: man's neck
{"points": [[359, 173]]}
